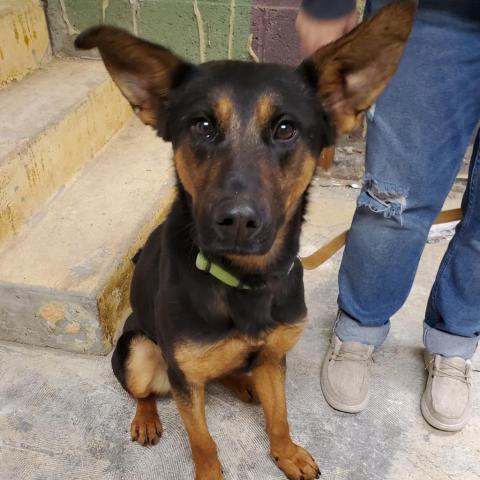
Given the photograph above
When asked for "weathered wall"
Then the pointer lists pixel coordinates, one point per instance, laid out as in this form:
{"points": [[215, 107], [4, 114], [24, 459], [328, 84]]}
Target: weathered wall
{"points": [[273, 26], [196, 29]]}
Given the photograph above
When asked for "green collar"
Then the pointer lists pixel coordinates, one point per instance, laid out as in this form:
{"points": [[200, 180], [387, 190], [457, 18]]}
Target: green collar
{"points": [[214, 269]]}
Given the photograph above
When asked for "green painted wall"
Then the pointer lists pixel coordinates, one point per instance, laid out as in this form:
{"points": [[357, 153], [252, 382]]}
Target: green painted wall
{"points": [[218, 27]]}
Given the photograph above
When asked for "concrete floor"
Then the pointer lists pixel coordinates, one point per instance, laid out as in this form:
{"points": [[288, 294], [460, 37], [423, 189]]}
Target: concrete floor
{"points": [[64, 415]]}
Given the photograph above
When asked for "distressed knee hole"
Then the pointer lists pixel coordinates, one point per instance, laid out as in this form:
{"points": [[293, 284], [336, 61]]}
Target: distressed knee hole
{"points": [[371, 113], [381, 197]]}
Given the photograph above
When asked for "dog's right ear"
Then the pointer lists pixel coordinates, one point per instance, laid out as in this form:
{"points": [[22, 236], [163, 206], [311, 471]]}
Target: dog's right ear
{"points": [[144, 72]]}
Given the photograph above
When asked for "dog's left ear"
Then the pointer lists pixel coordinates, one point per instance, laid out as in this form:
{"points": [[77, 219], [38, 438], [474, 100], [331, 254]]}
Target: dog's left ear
{"points": [[352, 72], [144, 72]]}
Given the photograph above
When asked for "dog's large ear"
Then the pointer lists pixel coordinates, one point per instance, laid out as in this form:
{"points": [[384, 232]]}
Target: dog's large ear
{"points": [[352, 72], [144, 72]]}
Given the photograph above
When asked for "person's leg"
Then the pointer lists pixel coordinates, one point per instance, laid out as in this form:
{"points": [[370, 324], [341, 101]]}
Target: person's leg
{"points": [[452, 321], [417, 135]]}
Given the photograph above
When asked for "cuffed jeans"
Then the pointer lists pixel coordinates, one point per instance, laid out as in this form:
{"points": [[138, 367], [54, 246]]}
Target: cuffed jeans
{"points": [[418, 132]]}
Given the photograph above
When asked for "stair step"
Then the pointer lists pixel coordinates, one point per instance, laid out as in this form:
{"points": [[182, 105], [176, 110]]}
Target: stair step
{"points": [[51, 123], [65, 278], [24, 39]]}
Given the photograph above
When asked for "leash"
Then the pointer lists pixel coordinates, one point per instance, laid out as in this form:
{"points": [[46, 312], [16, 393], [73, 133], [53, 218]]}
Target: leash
{"points": [[333, 246]]}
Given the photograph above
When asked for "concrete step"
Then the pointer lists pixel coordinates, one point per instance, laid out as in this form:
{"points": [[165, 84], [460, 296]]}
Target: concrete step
{"points": [[24, 39], [51, 123], [64, 279]]}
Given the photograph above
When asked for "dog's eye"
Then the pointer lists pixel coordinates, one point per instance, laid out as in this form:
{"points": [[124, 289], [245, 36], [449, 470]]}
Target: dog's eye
{"points": [[204, 128], [285, 130]]}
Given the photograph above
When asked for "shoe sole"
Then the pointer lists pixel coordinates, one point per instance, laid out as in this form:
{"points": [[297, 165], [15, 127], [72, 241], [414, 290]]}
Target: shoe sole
{"points": [[342, 407], [434, 422]]}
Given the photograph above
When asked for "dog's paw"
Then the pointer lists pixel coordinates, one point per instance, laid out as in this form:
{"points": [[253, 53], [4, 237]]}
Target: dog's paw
{"points": [[146, 429], [296, 463]]}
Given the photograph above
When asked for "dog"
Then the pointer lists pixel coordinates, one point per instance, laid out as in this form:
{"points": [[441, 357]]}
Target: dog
{"points": [[217, 291]]}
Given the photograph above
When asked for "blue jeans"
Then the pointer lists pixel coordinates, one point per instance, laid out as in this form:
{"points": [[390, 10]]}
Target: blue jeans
{"points": [[418, 132]]}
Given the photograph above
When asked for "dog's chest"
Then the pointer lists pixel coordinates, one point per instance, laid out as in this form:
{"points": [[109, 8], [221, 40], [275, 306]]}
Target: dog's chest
{"points": [[203, 362], [225, 310]]}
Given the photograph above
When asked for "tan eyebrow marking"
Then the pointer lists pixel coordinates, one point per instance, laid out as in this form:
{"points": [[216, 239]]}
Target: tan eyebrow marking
{"points": [[264, 110], [224, 111]]}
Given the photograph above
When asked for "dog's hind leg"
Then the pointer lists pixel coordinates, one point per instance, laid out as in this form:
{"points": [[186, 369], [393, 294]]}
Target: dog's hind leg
{"points": [[241, 384], [139, 365]]}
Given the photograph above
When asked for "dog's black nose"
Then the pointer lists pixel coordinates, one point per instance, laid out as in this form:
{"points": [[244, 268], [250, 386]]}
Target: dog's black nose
{"points": [[236, 222]]}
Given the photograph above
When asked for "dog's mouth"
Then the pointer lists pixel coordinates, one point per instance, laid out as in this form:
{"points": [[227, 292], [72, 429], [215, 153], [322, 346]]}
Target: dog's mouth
{"points": [[218, 247], [237, 251]]}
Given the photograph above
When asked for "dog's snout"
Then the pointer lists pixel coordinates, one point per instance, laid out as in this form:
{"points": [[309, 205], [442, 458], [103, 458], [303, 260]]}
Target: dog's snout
{"points": [[237, 222]]}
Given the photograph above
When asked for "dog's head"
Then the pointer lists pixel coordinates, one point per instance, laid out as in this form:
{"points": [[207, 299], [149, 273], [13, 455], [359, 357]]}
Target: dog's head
{"points": [[246, 136]]}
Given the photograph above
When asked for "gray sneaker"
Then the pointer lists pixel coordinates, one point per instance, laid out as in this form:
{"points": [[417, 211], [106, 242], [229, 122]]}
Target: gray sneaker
{"points": [[447, 399], [345, 375]]}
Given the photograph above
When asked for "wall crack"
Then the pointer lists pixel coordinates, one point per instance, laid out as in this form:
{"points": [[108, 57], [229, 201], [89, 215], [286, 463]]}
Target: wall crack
{"points": [[135, 12], [70, 28], [231, 28], [201, 31], [250, 49], [105, 5]]}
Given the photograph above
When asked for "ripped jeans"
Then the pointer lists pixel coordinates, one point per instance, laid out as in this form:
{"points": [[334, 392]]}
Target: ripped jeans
{"points": [[418, 133]]}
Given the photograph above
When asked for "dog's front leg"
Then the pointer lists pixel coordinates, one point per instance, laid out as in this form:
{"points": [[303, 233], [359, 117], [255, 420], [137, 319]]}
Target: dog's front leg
{"points": [[204, 450], [269, 380]]}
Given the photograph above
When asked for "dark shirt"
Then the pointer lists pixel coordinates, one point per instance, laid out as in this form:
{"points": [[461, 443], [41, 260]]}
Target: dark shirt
{"points": [[328, 8], [434, 10]]}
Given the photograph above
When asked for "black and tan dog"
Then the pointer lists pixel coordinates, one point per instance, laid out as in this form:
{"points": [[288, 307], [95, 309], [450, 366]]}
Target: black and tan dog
{"points": [[217, 291]]}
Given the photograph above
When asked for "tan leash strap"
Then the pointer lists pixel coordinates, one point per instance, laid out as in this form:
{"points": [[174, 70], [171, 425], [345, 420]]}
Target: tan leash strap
{"points": [[448, 216], [333, 246]]}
